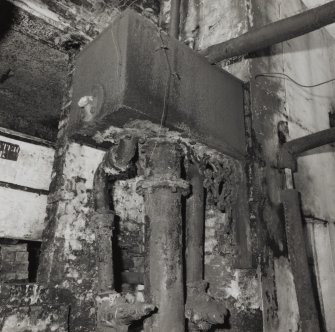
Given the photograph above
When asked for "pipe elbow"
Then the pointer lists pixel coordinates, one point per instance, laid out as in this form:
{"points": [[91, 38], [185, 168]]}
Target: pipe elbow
{"points": [[202, 310]]}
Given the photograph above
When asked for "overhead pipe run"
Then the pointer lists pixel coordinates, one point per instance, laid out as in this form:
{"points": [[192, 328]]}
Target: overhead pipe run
{"points": [[273, 33], [290, 150]]}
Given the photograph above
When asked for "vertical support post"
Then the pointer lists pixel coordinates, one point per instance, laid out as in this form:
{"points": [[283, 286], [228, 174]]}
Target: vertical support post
{"points": [[163, 190]]}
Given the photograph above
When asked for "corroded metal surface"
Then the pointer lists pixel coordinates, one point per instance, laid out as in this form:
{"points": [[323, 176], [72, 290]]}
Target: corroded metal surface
{"points": [[115, 312], [146, 75], [164, 268], [299, 261], [203, 311], [195, 223]]}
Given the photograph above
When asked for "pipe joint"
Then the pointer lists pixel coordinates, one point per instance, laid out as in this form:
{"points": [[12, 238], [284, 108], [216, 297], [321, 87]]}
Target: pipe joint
{"points": [[175, 185], [286, 159], [116, 312], [203, 311]]}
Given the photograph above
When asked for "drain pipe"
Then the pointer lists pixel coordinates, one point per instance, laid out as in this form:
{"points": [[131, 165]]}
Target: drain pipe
{"points": [[114, 312], [103, 219], [195, 220], [273, 33], [202, 311], [162, 189]]}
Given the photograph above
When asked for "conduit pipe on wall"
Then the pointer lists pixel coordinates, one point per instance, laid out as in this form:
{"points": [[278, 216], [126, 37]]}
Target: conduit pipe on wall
{"points": [[290, 150], [273, 33]]}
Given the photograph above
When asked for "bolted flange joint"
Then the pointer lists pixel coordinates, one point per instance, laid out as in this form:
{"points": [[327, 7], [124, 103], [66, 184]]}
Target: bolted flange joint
{"points": [[151, 184]]}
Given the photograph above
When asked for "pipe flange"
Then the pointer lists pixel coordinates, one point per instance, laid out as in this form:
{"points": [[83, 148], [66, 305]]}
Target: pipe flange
{"points": [[175, 185]]}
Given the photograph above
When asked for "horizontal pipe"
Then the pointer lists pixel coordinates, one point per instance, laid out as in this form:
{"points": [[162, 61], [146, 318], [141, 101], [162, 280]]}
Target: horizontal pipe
{"points": [[292, 149], [273, 33]]}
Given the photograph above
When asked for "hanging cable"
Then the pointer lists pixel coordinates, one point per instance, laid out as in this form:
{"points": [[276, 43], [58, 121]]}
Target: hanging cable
{"points": [[284, 76]]}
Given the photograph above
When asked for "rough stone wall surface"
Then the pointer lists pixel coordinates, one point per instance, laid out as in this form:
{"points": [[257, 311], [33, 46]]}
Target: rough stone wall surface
{"points": [[69, 257], [28, 307]]}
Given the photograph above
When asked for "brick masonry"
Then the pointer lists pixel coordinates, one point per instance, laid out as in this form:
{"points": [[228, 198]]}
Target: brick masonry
{"points": [[14, 262]]}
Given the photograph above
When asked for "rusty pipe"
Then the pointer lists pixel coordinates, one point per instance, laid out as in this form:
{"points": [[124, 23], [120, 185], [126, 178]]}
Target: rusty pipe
{"points": [[290, 150], [202, 311], [117, 160], [103, 219], [273, 33], [299, 261], [195, 220], [162, 190]]}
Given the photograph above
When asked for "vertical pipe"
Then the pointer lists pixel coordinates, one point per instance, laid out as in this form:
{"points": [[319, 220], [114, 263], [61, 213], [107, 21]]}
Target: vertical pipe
{"points": [[174, 19], [299, 261], [162, 192], [118, 159], [103, 219], [195, 219], [195, 225]]}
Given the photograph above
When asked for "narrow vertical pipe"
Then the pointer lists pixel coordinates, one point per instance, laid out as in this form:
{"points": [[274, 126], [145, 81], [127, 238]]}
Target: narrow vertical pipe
{"points": [[299, 261], [118, 159], [175, 19], [103, 218], [195, 220], [162, 192]]}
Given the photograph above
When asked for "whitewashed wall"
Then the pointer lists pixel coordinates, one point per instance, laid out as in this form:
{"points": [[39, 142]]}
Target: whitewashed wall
{"points": [[22, 212]]}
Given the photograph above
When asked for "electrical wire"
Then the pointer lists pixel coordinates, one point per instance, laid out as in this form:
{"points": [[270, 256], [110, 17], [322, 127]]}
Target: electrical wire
{"points": [[284, 76], [167, 89]]}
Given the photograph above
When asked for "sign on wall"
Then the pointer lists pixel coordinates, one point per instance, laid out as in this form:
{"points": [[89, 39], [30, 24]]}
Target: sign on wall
{"points": [[9, 151]]}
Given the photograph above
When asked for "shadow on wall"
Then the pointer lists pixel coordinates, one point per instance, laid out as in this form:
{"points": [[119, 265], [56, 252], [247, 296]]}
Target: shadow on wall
{"points": [[7, 15]]}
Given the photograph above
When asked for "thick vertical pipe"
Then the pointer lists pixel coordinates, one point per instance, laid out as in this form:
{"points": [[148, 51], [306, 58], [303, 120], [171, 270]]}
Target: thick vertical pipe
{"points": [[195, 220], [299, 261], [175, 19], [162, 190]]}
